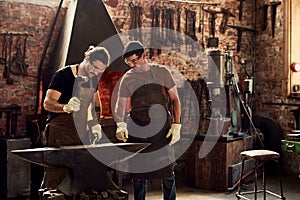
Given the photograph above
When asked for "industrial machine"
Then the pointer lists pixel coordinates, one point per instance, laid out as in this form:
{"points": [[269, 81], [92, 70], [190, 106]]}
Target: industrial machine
{"points": [[228, 101]]}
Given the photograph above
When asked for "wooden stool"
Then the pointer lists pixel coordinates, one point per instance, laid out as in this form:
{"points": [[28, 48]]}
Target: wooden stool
{"points": [[259, 156]]}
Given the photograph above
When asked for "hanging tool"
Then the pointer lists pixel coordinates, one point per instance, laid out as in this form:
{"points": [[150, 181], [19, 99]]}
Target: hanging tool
{"points": [[163, 24], [41, 64], [202, 25], [132, 16], [138, 10], [136, 23], [151, 50], [169, 25], [18, 65], [155, 31], [212, 40], [9, 80], [193, 30], [240, 30], [265, 17], [2, 59], [4, 56], [200, 18], [190, 30], [225, 16], [241, 8], [178, 19], [179, 38], [273, 6], [24, 45], [158, 33], [191, 24]]}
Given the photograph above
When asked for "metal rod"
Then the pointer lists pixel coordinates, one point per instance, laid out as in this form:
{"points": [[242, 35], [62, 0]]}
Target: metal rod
{"points": [[43, 57]]}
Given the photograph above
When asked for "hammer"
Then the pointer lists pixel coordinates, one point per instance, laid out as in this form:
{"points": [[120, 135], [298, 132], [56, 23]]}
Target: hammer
{"points": [[212, 21], [212, 41], [264, 17]]}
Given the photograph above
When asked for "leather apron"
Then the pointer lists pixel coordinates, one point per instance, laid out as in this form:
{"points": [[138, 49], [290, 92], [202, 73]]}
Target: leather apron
{"points": [[141, 101], [64, 132]]}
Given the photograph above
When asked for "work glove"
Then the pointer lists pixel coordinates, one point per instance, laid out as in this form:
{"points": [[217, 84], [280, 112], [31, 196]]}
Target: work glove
{"points": [[122, 132], [175, 132], [72, 106], [96, 131]]}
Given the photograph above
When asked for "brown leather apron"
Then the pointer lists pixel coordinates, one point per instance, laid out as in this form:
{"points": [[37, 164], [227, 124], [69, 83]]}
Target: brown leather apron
{"points": [[141, 101], [64, 132]]}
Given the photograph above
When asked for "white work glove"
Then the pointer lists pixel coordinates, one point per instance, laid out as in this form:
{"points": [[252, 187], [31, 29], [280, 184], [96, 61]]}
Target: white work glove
{"points": [[96, 131], [175, 132], [122, 132], [72, 106]]}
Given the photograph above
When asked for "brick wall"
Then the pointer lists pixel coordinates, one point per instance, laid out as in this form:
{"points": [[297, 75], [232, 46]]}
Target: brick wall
{"points": [[267, 55], [35, 19], [16, 18], [272, 76], [183, 61]]}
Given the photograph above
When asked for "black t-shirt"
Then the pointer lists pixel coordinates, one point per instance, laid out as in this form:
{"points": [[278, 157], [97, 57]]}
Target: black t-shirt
{"points": [[63, 81]]}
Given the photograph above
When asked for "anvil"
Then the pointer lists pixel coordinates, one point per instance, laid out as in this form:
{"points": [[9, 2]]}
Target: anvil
{"points": [[87, 164]]}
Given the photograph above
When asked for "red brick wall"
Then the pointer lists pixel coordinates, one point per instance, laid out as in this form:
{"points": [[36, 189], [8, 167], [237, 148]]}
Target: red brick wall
{"points": [[35, 20], [270, 77], [270, 73]]}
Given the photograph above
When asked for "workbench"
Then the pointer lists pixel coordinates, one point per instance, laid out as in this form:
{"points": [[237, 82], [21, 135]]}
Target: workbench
{"points": [[212, 171]]}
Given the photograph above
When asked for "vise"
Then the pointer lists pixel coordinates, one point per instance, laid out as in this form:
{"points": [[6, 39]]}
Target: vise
{"points": [[87, 164]]}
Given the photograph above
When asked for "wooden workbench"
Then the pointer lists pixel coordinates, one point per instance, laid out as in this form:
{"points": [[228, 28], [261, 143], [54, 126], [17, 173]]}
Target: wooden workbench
{"points": [[211, 172]]}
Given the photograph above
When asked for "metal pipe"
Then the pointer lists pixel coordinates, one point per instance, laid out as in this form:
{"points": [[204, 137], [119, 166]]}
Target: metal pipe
{"points": [[39, 73]]}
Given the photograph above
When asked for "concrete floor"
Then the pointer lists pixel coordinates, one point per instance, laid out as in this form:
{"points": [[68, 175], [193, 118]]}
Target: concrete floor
{"points": [[291, 187]]}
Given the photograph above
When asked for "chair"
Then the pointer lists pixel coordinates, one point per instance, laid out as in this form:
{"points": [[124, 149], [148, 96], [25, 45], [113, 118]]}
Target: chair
{"points": [[260, 158]]}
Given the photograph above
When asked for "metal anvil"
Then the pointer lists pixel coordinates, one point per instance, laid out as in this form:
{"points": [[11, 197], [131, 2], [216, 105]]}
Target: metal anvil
{"points": [[87, 164]]}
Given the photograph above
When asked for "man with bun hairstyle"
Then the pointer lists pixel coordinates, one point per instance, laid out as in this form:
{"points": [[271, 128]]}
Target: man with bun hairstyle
{"points": [[70, 100]]}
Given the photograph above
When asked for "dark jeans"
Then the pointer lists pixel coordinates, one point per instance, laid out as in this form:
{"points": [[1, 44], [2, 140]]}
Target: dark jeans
{"points": [[168, 186]]}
